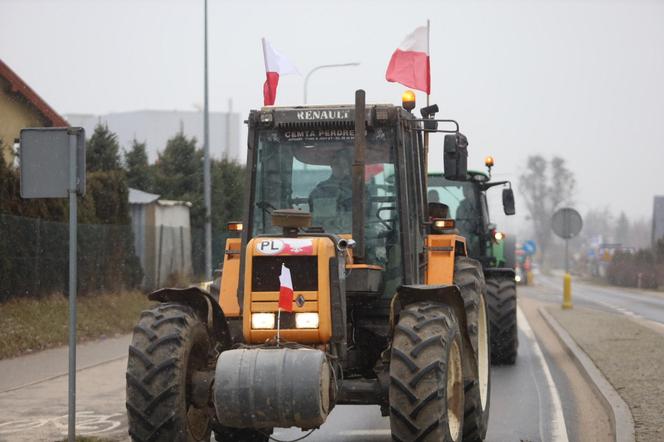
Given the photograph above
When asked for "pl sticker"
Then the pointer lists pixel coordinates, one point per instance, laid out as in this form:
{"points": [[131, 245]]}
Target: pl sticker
{"points": [[286, 246]]}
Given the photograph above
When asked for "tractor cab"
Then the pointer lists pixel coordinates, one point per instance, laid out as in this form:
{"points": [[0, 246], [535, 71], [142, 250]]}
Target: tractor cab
{"points": [[467, 202]]}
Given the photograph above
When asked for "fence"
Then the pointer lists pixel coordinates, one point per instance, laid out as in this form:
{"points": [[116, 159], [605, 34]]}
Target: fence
{"points": [[34, 257]]}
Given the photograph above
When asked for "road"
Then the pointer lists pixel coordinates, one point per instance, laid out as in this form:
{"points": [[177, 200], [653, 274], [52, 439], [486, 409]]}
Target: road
{"points": [[644, 305], [542, 397]]}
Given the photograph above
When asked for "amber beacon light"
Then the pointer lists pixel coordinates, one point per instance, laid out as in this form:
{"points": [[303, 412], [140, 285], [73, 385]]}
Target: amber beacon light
{"points": [[408, 100]]}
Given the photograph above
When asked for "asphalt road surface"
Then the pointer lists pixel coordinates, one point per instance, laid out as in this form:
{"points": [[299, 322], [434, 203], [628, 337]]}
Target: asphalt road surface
{"points": [[638, 304], [542, 397]]}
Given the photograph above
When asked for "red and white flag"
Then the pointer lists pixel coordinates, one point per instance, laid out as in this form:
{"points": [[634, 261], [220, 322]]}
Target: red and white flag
{"points": [[275, 65], [409, 64], [285, 289]]}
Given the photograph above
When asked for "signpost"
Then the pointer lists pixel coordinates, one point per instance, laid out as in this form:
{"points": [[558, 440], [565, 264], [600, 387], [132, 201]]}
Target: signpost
{"points": [[53, 166], [567, 223]]}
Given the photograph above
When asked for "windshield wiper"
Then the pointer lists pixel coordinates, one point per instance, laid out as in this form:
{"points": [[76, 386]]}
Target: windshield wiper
{"points": [[266, 207]]}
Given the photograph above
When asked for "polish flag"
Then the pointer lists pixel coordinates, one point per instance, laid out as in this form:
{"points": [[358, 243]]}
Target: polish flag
{"points": [[285, 289], [409, 64], [275, 65]]}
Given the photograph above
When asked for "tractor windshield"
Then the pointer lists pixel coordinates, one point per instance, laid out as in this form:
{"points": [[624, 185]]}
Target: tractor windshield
{"points": [[462, 198], [311, 170]]}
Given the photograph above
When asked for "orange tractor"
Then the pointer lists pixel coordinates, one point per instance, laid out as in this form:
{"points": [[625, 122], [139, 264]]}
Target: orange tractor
{"points": [[344, 286]]}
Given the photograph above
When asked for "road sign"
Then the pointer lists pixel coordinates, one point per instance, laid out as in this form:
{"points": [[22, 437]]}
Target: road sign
{"points": [[44, 155], [566, 223], [529, 247], [53, 166]]}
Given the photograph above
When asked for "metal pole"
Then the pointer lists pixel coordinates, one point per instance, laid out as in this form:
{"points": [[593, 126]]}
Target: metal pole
{"points": [[323, 66], [206, 165], [426, 134], [567, 256], [73, 219]]}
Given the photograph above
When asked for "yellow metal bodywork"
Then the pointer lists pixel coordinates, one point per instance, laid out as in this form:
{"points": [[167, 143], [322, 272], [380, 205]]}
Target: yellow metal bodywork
{"points": [[315, 301], [230, 279], [441, 250]]}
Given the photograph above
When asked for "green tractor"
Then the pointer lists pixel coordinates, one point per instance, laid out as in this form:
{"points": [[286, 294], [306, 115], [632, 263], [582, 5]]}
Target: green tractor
{"points": [[467, 202]]}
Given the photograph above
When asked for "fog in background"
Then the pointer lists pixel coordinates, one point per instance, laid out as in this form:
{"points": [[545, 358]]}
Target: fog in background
{"points": [[582, 79]]}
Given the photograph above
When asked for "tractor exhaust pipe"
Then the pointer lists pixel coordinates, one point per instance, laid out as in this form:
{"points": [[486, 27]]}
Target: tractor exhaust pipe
{"points": [[358, 176]]}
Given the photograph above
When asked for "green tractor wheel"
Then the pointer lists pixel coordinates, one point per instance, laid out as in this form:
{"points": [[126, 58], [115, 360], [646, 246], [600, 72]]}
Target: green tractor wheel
{"points": [[501, 297]]}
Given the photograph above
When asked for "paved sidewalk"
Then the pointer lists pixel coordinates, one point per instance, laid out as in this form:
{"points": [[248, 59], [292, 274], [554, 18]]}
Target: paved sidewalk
{"points": [[630, 356], [46, 364]]}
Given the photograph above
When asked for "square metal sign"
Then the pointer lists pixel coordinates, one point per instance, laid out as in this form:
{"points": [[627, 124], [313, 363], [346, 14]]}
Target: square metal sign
{"points": [[44, 157]]}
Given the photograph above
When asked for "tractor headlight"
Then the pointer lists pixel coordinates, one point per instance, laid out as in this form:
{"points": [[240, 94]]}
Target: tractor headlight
{"points": [[306, 320], [262, 320]]}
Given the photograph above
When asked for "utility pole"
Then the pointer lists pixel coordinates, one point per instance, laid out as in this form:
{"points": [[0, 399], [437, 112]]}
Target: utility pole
{"points": [[229, 114], [206, 163]]}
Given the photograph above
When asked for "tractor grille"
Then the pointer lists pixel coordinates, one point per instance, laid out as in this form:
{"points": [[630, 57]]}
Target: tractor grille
{"points": [[266, 271]]}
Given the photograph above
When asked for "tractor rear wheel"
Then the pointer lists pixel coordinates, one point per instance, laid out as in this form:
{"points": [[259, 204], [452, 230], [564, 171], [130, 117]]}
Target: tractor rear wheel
{"points": [[168, 356], [501, 296], [468, 276], [426, 375]]}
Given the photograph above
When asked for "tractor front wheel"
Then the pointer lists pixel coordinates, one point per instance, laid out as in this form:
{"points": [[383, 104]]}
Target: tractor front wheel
{"points": [[501, 297], [169, 361], [426, 375]]}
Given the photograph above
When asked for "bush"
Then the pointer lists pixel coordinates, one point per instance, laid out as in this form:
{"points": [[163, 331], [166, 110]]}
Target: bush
{"points": [[633, 269]]}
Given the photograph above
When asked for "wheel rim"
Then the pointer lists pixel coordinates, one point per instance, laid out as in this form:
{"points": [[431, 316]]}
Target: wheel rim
{"points": [[483, 353], [454, 391]]}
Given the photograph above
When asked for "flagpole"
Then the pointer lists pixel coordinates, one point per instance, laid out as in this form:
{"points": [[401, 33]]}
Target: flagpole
{"points": [[278, 324], [429, 56], [426, 134], [265, 62]]}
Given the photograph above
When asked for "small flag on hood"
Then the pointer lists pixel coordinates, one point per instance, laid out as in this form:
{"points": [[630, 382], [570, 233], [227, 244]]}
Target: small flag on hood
{"points": [[409, 64], [275, 65], [285, 289]]}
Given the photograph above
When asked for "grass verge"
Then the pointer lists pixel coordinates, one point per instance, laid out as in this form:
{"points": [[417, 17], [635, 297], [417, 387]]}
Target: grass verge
{"points": [[30, 325]]}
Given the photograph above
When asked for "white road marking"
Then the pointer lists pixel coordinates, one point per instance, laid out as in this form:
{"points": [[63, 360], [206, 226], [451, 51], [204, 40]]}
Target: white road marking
{"points": [[558, 427]]}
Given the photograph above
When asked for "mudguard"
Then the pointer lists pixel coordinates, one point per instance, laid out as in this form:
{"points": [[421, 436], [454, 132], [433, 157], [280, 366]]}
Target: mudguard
{"points": [[203, 303], [445, 294]]}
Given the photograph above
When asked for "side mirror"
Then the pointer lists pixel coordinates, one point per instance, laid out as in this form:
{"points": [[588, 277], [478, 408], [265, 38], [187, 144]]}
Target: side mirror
{"points": [[455, 157], [508, 201]]}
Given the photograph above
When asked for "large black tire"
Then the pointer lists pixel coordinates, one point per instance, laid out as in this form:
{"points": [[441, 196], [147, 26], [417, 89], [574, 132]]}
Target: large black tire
{"points": [[501, 297], [468, 276], [169, 345], [426, 375]]}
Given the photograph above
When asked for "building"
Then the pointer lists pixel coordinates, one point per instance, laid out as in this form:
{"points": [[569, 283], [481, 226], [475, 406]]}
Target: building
{"points": [[155, 127], [657, 219], [21, 107], [162, 238]]}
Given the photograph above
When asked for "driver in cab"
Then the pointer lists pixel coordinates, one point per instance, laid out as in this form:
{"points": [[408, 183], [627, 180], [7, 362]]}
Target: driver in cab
{"points": [[331, 201]]}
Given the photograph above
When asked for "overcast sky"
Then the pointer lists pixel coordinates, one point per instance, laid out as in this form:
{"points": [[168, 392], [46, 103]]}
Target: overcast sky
{"points": [[579, 79]]}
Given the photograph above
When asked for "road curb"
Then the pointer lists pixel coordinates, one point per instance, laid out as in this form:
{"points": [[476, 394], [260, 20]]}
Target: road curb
{"points": [[616, 407]]}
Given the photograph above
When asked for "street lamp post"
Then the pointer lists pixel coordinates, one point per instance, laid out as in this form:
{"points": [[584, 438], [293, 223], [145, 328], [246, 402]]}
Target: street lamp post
{"points": [[206, 162], [324, 66]]}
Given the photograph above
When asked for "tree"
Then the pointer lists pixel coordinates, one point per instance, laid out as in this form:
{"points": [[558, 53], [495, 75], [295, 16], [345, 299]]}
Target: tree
{"points": [[621, 234], [102, 150], [545, 186], [137, 167], [178, 175]]}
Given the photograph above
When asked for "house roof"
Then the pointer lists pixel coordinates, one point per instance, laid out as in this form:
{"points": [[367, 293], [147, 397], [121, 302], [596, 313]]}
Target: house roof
{"points": [[139, 197], [17, 85]]}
